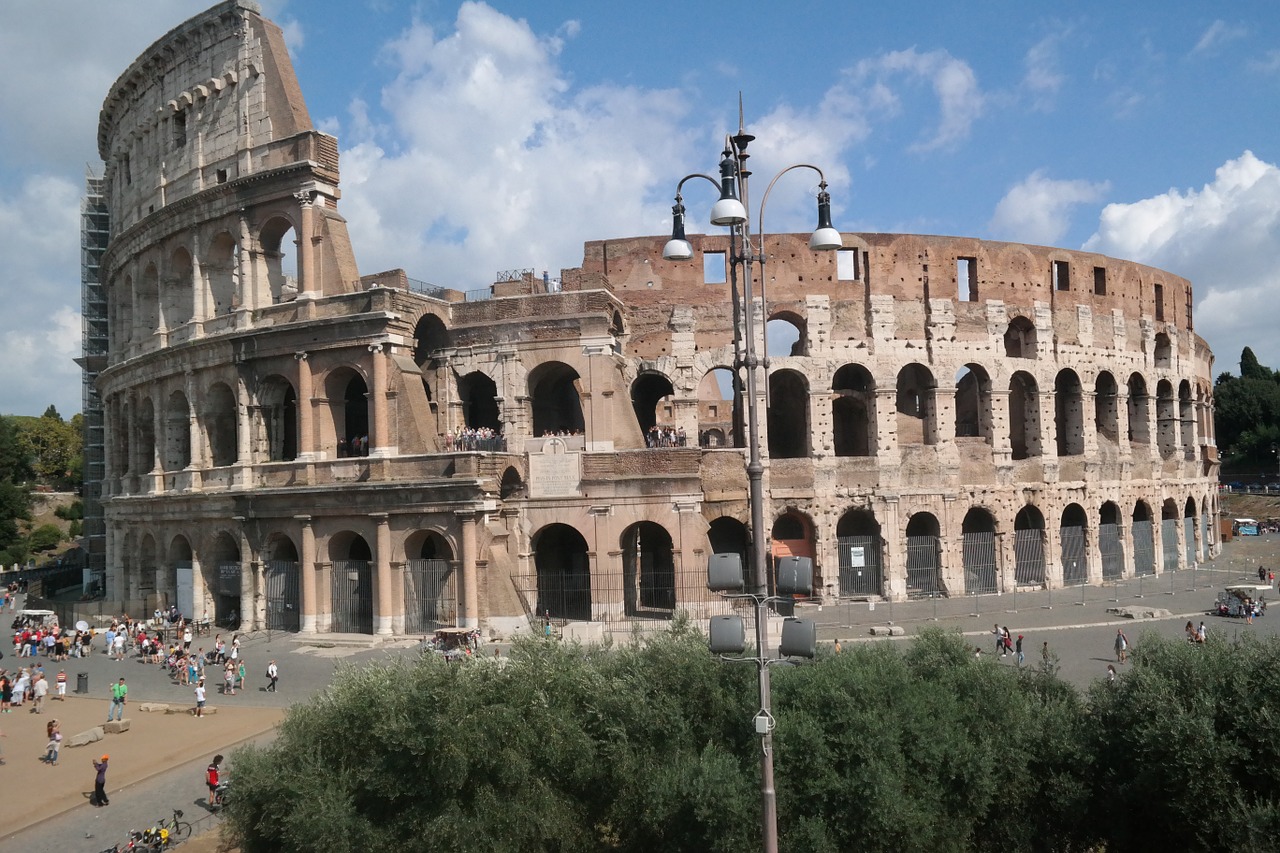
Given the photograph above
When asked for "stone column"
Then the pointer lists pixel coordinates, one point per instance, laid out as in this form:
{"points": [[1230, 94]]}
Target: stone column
{"points": [[306, 424], [198, 458], [382, 577], [306, 263], [1052, 556], [307, 576], [894, 563], [199, 291], [886, 426], [469, 592], [378, 437], [1001, 448], [246, 292], [1122, 420]]}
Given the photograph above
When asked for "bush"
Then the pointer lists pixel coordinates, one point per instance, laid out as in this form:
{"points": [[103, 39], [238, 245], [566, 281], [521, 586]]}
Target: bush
{"points": [[45, 538], [73, 511]]}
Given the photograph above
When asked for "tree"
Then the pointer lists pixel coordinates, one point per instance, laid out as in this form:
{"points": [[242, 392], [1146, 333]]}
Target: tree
{"points": [[52, 445], [1251, 369], [44, 538]]}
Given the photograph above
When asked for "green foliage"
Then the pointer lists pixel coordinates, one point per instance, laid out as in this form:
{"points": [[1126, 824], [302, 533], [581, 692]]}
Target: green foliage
{"points": [[75, 529], [15, 506], [1251, 369], [53, 447], [44, 538], [71, 511]]}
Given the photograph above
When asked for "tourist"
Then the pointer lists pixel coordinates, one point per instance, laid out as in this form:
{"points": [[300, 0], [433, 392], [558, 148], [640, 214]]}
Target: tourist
{"points": [[200, 698], [119, 693], [273, 675], [99, 797], [1121, 646]]}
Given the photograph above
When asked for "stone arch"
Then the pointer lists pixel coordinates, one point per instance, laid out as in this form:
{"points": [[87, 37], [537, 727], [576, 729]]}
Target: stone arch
{"points": [[348, 397], [351, 583], [1111, 541], [916, 406], [147, 458], [979, 554], [121, 327], [275, 425], [430, 338], [792, 535], [648, 570], [1142, 534], [148, 568], [178, 297], [1139, 410], [860, 548], [1163, 351], [279, 259], [1020, 338], [727, 535], [973, 402], [564, 573], [430, 583], [219, 268], [1186, 419], [1028, 546], [146, 304], [1072, 536], [1166, 419], [648, 392], [1069, 413], [177, 432], [853, 411], [720, 415], [787, 334], [924, 555], [479, 397], [554, 397], [220, 424], [1106, 407], [179, 560], [221, 567], [789, 431], [512, 486], [1025, 437], [1189, 521]]}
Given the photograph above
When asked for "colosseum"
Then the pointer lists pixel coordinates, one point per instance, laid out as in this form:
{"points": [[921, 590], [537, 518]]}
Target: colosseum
{"points": [[291, 443]]}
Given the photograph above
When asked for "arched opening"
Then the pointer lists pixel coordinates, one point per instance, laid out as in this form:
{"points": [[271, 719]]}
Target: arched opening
{"points": [[1106, 407], [351, 584], [790, 536], [1166, 420], [924, 551], [651, 395], [148, 570], [648, 570], [284, 611], [1189, 532], [219, 270], [788, 415], [146, 306], [220, 425], [618, 331], [1020, 338], [860, 548], [1111, 542], [223, 584], [719, 409], [1028, 547], [121, 327], [276, 424], [349, 408], [1071, 538], [177, 581], [1139, 410], [973, 403], [1163, 351], [179, 290], [729, 536], [430, 338], [557, 407], [1024, 416], [146, 426], [279, 245], [853, 406], [1186, 420], [978, 553], [1170, 536], [786, 334], [1069, 413], [512, 487], [564, 573], [479, 397], [1144, 543], [916, 406], [119, 444], [430, 585], [177, 433]]}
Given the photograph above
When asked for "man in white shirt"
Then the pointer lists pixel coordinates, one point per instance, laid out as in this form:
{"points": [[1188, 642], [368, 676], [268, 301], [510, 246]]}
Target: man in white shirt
{"points": [[200, 698], [186, 640], [119, 645], [39, 690]]}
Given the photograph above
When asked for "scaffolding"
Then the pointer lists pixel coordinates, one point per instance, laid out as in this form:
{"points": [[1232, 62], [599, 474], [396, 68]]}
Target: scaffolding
{"points": [[94, 233]]}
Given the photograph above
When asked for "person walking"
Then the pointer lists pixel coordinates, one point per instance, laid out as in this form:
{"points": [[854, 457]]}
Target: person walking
{"points": [[1121, 646], [1018, 648], [186, 639], [229, 680], [54, 732], [1111, 673], [211, 778], [200, 699], [995, 632], [118, 646], [240, 673], [273, 675], [99, 797], [62, 685], [119, 692], [39, 689]]}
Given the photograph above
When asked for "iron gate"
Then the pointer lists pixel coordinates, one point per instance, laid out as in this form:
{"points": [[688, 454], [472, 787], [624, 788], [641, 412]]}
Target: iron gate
{"points": [[1028, 554], [227, 599], [922, 566], [1205, 544], [1112, 550], [352, 586], [1189, 532], [283, 613], [1144, 548], [1075, 569], [860, 569], [1169, 538], [430, 596], [978, 551]]}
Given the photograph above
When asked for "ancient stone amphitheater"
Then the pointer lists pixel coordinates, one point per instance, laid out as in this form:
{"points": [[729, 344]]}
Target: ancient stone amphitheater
{"points": [[294, 444]]}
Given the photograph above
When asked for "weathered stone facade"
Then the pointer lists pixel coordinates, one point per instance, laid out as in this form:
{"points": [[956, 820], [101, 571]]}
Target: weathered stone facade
{"points": [[293, 444]]}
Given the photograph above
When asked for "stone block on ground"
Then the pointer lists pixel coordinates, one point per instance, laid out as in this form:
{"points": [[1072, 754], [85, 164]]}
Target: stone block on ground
{"points": [[85, 738], [152, 707], [1139, 612], [115, 727], [888, 631], [190, 710]]}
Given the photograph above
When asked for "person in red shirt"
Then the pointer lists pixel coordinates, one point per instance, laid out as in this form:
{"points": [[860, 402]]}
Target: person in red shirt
{"points": [[211, 778]]}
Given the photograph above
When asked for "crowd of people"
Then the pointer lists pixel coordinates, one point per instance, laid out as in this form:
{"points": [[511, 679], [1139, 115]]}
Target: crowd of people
{"points": [[665, 436], [475, 438]]}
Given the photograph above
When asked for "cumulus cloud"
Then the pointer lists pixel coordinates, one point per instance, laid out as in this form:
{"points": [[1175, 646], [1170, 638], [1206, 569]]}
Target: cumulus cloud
{"points": [[954, 84], [1038, 208], [1224, 237]]}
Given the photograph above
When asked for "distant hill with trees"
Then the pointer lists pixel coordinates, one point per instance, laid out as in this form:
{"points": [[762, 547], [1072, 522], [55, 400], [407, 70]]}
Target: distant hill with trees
{"points": [[38, 454], [1247, 417]]}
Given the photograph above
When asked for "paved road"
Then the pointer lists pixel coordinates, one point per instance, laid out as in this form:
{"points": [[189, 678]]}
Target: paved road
{"points": [[1075, 622]]}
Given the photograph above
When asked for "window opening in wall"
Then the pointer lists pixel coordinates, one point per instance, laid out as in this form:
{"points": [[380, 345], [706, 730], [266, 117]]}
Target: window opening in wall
{"points": [[1189, 308], [179, 130], [124, 166], [1099, 281], [847, 265], [1061, 275], [713, 268], [1160, 302], [967, 279], [222, 176]]}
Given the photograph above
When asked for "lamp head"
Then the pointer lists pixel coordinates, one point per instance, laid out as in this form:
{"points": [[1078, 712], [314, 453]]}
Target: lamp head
{"points": [[728, 210], [825, 238], [677, 248]]}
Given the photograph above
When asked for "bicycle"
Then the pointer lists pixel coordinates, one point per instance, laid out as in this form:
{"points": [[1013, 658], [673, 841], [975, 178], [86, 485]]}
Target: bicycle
{"points": [[179, 829]]}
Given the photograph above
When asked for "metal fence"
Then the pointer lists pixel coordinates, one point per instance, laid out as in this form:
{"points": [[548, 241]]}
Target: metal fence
{"points": [[283, 612], [645, 595], [923, 574], [430, 596], [1075, 568], [860, 570], [1112, 550], [1028, 555], [1169, 538], [352, 587], [978, 551], [1144, 548]]}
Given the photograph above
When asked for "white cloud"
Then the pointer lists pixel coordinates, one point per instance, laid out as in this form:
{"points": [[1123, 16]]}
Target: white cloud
{"points": [[1038, 209], [1225, 238], [1044, 75], [1218, 34], [954, 83]]}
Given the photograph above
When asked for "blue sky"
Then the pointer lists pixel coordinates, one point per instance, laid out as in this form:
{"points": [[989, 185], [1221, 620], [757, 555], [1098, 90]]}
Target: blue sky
{"points": [[480, 137]]}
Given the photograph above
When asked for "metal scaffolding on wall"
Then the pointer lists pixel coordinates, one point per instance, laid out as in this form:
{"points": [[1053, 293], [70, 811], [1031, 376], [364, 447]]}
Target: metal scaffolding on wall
{"points": [[94, 233]]}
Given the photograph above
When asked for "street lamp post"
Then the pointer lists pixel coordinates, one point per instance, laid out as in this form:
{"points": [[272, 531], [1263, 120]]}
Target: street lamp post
{"points": [[732, 210]]}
